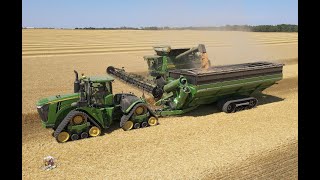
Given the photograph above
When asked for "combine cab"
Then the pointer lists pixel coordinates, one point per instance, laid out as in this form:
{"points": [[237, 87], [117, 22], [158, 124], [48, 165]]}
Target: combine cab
{"points": [[91, 108]]}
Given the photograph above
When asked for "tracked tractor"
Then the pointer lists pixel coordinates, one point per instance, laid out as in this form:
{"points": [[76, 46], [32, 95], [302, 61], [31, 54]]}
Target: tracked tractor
{"points": [[92, 108]]}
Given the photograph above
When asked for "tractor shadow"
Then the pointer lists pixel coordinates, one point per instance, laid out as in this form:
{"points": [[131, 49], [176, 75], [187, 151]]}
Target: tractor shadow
{"points": [[204, 110], [113, 127]]}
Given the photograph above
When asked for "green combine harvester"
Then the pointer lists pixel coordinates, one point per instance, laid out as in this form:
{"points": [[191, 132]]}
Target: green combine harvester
{"points": [[180, 85], [165, 59], [91, 108]]}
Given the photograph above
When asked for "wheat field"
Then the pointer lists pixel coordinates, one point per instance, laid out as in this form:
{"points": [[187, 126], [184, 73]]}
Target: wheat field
{"points": [[205, 144]]}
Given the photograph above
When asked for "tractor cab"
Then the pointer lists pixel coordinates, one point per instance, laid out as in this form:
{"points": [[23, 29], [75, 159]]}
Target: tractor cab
{"points": [[95, 91]]}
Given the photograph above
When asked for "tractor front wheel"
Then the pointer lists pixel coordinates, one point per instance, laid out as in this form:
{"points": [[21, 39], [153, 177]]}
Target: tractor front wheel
{"points": [[63, 137], [127, 125]]}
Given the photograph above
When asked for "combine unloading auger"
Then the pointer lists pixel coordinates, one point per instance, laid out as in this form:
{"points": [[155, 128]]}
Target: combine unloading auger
{"points": [[133, 79]]}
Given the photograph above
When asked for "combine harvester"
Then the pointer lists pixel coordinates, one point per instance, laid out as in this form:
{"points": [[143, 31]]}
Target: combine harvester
{"points": [[159, 64], [179, 90]]}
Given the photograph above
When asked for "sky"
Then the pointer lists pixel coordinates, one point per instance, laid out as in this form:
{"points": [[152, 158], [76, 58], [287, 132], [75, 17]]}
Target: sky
{"points": [[142, 13]]}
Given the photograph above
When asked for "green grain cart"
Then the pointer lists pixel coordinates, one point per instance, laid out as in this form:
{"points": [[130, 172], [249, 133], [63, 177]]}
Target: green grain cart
{"points": [[91, 108], [230, 85]]}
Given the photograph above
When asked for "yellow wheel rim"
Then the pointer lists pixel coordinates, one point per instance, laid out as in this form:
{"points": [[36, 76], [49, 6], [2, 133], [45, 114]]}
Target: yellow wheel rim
{"points": [[63, 137], [127, 126], [152, 121], [139, 110], [94, 131], [78, 119]]}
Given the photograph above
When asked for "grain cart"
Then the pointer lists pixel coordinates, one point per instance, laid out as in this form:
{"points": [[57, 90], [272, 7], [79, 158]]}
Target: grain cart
{"points": [[231, 86], [91, 108]]}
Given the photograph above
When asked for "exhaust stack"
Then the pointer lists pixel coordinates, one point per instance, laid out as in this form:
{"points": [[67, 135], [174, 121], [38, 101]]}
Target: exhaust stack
{"points": [[76, 83]]}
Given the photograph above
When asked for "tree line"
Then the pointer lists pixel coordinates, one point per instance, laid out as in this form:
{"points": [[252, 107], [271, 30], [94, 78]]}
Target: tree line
{"points": [[258, 28]]}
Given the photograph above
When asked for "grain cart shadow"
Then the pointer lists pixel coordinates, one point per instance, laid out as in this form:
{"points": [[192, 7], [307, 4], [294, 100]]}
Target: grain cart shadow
{"points": [[204, 110], [266, 99]]}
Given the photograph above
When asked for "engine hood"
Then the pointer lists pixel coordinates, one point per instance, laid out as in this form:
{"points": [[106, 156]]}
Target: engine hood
{"points": [[128, 101], [57, 98]]}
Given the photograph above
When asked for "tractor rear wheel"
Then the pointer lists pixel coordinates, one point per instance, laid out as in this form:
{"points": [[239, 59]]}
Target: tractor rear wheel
{"points": [[127, 125], [152, 121], [94, 131], [78, 119], [63, 137], [139, 110]]}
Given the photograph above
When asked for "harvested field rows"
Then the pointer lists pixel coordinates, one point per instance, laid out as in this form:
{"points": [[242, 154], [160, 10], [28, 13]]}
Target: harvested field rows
{"points": [[72, 42], [205, 144]]}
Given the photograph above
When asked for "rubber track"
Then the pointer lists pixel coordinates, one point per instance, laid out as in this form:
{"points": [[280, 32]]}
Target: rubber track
{"points": [[238, 100], [94, 122], [125, 118], [64, 122]]}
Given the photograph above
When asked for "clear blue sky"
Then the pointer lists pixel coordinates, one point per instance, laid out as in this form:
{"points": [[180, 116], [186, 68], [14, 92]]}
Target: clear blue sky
{"points": [[173, 13]]}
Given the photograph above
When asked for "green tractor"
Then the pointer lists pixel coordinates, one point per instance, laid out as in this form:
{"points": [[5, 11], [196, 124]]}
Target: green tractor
{"points": [[91, 108]]}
